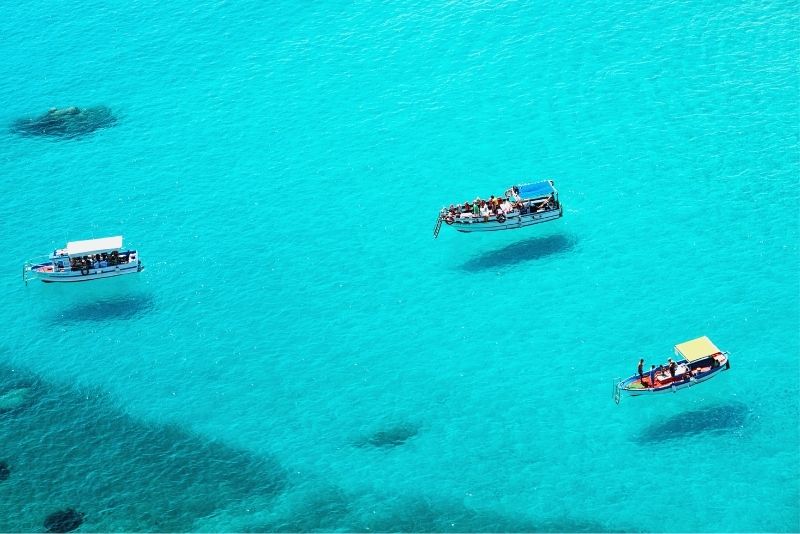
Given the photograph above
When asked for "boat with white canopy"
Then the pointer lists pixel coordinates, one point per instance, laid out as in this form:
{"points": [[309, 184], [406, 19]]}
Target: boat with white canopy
{"points": [[520, 206], [696, 361], [81, 261]]}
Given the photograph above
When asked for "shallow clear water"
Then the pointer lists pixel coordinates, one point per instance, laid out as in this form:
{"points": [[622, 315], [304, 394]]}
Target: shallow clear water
{"points": [[299, 334]]}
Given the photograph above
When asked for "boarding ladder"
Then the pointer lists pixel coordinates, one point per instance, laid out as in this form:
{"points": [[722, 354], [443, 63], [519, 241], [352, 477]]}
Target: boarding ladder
{"points": [[26, 269], [438, 227], [615, 394]]}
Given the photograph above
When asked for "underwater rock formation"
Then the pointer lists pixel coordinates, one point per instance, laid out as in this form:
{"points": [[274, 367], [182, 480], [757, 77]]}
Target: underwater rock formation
{"points": [[390, 437], [5, 471], [334, 510], [63, 520], [14, 399], [65, 122], [125, 474]]}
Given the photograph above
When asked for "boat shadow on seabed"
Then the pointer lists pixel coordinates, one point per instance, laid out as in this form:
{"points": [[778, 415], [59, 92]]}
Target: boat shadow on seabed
{"points": [[106, 309], [530, 249], [727, 418]]}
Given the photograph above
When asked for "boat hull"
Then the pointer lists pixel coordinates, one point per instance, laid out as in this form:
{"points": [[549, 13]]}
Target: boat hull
{"points": [[628, 386], [512, 222], [50, 277]]}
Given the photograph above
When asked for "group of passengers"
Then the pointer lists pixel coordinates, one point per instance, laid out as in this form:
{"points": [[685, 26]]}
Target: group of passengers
{"points": [[499, 207], [98, 261], [672, 368]]}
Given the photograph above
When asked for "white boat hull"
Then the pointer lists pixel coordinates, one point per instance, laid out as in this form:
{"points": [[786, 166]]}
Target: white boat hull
{"points": [[93, 274], [512, 222]]}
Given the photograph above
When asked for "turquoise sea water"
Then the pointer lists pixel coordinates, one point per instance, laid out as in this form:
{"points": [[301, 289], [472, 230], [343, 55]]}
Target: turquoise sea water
{"points": [[300, 354]]}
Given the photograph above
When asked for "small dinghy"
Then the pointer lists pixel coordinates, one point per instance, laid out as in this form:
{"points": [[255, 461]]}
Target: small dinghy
{"points": [[696, 361], [81, 261]]}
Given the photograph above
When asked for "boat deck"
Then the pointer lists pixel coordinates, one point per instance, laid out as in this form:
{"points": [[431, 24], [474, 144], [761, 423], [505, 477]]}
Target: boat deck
{"points": [[663, 378]]}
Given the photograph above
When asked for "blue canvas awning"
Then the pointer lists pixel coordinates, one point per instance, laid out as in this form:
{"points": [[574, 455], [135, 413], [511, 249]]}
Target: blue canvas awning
{"points": [[535, 190]]}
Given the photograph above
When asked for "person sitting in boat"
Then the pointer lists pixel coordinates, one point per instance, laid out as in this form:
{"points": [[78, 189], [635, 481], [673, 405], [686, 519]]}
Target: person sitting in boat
{"points": [[476, 207], [506, 206], [545, 204], [484, 211]]}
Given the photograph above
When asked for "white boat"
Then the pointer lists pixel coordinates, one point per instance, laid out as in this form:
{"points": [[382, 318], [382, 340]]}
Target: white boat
{"points": [[695, 362], [81, 261], [522, 205]]}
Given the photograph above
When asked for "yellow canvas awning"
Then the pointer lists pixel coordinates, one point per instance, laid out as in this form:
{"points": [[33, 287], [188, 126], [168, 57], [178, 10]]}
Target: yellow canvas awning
{"points": [[696, 349]]}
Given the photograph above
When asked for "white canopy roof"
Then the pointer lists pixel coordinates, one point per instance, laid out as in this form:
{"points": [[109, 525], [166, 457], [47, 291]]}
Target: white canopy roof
{"points": [[94, 246]]}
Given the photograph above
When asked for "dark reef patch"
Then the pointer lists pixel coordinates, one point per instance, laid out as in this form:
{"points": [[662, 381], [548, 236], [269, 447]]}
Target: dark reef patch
{"points": [[715, 419], [15, 399], [18, 392], [407, 514], [390, 437], [419, 514], [5, 471], [65, 123], [63, 520], [125, 474], [530, 249]]}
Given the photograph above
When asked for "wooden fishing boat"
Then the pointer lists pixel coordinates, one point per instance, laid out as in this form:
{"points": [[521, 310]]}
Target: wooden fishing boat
{"points": [[695, 362]]}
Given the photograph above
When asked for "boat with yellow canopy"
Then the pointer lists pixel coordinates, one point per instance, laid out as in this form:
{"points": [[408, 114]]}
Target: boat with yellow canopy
{"points": [[696, 361]]}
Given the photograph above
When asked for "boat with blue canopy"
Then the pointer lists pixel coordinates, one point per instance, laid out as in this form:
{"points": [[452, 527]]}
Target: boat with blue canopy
{"points": [[696, 361], [81, 261], [520, 206]]}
